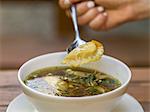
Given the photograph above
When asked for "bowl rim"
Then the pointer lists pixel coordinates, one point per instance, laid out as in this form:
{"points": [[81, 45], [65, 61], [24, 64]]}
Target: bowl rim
{"points": [[40, 94]]}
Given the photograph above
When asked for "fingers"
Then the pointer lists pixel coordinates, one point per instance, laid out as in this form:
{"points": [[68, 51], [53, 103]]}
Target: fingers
{"points": [[67, 3], [110, 20], [89, 15], [118, 17], [98, 22], [64, 4], [95, 17], [114, 19], [84, 7]]}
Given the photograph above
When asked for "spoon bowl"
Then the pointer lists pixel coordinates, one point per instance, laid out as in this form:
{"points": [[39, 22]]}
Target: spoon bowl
{"points": [[75, 44]]}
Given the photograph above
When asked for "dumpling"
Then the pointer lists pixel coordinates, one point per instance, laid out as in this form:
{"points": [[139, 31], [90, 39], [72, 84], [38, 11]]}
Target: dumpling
{"points": [[89, 52]]}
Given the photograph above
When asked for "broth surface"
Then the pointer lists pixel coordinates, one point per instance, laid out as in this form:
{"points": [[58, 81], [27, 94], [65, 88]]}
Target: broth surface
{"points": [[71, 82]]}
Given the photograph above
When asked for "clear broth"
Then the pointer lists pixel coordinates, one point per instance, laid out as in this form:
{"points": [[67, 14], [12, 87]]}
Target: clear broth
{"points": [[71, 82]]}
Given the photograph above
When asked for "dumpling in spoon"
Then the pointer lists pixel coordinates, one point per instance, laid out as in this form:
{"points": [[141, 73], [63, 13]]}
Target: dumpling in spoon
{"points": [[89, 52]]}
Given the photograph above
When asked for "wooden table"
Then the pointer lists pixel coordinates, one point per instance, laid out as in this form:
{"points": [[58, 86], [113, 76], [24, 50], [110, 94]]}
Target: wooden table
{"points": [[139, 87]]}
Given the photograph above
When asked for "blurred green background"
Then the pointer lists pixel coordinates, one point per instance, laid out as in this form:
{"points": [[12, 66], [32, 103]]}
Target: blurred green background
{"points": [[29, 28]]}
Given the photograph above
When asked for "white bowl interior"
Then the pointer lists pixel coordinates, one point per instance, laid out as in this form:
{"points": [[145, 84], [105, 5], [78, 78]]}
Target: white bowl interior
{"points": [[107, 65]]}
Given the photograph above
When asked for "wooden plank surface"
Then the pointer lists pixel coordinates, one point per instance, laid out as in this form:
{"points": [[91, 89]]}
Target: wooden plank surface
{"points": [[138, 88]]}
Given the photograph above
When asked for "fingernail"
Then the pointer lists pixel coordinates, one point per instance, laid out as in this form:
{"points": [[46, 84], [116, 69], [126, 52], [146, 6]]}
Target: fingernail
{"points": [[67, 2], [100, 9], [90, 4], [105, 14]]}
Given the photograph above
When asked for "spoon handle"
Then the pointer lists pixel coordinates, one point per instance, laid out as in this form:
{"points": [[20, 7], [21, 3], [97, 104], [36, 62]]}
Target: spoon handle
{"points": [[75, 21]]}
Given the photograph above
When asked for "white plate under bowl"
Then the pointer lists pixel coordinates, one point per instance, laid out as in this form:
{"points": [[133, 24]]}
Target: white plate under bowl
{"points": [[127, 104]]}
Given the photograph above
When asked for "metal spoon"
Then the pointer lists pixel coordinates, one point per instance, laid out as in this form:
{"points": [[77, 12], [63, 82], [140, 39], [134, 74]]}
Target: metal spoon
{"points": [[78, 41]]}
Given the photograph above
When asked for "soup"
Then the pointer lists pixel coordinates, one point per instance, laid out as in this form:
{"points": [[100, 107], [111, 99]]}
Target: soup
{"points": [[71, 82]]}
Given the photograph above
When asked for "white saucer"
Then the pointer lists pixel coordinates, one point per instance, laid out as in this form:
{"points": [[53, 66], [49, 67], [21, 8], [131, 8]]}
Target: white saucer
{"points": [[127, 104]]}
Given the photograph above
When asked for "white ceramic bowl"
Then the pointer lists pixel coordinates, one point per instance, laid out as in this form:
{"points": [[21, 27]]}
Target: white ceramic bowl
{"points": [[98, 103]]}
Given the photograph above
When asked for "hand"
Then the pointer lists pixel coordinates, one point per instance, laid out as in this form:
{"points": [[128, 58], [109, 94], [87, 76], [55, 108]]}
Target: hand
{"points": [[106, 14]]}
